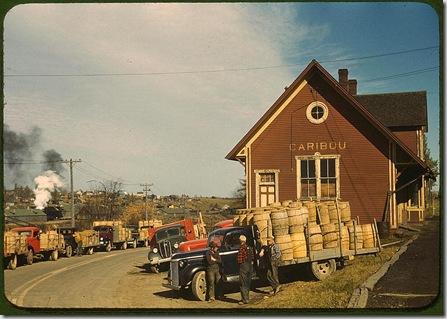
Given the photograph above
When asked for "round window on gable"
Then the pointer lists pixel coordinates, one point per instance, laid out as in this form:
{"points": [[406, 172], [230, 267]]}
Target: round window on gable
{"points": [[317, 112]]}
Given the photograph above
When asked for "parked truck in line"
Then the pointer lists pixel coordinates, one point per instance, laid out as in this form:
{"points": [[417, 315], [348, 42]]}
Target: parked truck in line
{"points": [[142, 234], [197, 244], [15, 249], [112, 234], [166, 241], [187, 270], [47, 245]]}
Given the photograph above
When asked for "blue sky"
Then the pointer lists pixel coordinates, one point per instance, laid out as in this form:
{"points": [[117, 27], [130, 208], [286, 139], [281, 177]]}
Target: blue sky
{"points": [[174, 130]]}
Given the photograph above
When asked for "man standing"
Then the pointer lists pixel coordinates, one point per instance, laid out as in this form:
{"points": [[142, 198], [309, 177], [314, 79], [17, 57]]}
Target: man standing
{"points": [[244, 259], [273, 254], [213, 277], [78, 241]]}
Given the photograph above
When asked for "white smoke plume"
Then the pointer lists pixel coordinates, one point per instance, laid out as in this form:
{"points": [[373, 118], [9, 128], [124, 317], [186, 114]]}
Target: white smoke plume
{"points": [[45, 184]]}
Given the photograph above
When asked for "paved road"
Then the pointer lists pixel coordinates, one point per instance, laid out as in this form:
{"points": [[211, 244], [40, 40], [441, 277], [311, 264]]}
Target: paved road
{"points": [[118, 279], [413, 281]]}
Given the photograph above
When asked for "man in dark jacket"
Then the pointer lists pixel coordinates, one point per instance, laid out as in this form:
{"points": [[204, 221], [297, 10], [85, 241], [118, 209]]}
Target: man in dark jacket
{"points": [[273, 254], [244, 259], [213, 278]]}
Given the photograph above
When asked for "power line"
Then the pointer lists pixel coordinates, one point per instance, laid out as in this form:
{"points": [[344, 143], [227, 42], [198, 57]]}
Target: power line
{"points": [[218, 70], [399, 75]]}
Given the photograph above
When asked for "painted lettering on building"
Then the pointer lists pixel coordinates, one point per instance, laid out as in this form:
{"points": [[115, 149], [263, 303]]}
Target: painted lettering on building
{"points": [[317, 146]]}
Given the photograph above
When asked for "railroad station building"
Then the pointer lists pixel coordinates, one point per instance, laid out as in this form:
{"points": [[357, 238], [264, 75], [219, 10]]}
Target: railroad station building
{"points": [[320, 140]]}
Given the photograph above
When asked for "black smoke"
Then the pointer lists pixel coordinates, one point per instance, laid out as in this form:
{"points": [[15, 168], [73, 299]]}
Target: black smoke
{"points": [[19, 148], [53, 161], [20, 151]]}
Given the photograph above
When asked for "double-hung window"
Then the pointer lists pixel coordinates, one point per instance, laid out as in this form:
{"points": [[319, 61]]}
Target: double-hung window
{"points": [[318, 177]]}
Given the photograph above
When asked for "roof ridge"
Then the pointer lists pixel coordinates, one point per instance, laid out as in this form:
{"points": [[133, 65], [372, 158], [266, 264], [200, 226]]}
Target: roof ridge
{"points": [[391, 93]]}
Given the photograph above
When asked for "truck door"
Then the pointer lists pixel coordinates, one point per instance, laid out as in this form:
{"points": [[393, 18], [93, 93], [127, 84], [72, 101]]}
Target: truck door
{"points": [[229, 250], [34, 240]]}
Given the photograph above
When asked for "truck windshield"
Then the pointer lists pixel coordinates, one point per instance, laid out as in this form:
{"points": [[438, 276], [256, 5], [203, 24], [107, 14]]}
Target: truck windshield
{"points": [[24, 232], [217, 239], [170, 232]]}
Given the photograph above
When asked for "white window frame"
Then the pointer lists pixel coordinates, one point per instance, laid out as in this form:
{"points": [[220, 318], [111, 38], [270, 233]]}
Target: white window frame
{"points": [[258, 173], [309, 112], [317, 157]]}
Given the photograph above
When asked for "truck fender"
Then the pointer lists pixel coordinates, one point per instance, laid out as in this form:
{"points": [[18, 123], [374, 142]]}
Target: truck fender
{"points": [[189, 274]]}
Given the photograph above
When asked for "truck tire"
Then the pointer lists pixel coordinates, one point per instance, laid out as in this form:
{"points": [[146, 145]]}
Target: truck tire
{"points": [[54, 255], [108, 247], [30, 257], [90, 251], [124, 246], [198, 286], [12, 264], [68, 251], [323, 268]]}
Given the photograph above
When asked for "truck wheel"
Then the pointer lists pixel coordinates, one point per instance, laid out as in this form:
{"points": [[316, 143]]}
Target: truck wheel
{"points": [[124, 246], [323, 268], [30, 257], [68, 251], [198, 285], [54, 255], [90, 251], [12, 264], [108, 247]]}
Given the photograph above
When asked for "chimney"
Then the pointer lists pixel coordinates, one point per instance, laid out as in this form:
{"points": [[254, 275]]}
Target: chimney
{"points": [[343, 78], [352, 87]]}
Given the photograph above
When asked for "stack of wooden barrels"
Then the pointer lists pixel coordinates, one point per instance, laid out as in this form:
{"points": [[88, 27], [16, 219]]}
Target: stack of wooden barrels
{"points": [[298, 227]]}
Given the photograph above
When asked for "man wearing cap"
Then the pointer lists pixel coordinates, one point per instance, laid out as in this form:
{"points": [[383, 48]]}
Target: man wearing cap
{"points": [[273, 254], [244, 259], [213, 277]]}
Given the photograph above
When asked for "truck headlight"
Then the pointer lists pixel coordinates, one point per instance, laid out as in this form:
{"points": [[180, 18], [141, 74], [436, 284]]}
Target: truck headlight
{"points": [[175, 245], [155, 250], [100, 238], [181, 263]]}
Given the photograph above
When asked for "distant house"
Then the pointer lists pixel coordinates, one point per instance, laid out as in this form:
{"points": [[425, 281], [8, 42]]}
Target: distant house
{"points": [[25, 215]]}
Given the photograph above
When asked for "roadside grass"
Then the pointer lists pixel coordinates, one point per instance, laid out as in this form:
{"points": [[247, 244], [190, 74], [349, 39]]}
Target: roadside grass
{"points": [[334, 292]]}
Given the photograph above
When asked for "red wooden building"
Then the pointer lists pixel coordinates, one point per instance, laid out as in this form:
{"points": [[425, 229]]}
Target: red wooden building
{"points": [[320, 140]]}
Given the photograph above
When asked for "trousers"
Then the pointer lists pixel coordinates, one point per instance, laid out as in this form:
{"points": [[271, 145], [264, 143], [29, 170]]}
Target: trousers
{"points": [[245, 273], [272, 275], [212, 280]]}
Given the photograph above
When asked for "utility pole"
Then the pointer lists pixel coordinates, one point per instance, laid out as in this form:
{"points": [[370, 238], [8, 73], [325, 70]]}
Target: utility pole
{"points": [[71, 162], [146, 189]]}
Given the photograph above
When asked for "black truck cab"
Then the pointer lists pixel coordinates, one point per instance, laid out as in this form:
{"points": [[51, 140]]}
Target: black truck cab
{"points": [[187, 270]]}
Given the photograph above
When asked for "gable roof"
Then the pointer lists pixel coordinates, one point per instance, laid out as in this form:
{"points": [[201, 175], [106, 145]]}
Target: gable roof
{"points": [[397, 109], [312, 68]]}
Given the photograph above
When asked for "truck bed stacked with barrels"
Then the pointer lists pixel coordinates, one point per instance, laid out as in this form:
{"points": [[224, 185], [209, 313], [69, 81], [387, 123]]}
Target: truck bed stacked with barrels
{"points": [[308, 231], [23, 244]]}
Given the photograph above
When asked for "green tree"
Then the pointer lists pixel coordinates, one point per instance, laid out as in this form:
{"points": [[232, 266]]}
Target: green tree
{"points": [[240, 192], [434, 166]]}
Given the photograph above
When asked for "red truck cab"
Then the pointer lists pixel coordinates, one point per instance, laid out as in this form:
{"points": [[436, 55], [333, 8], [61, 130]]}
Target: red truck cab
{"points": [[32, 237], [197, 244]]}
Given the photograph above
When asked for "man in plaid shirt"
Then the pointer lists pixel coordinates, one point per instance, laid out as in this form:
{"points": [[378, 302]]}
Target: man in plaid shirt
{"points": [[244, 259]]}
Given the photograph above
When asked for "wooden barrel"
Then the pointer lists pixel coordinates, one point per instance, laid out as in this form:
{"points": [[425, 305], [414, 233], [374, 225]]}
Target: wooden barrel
{"points": [[315, 237], [298, 216], [359, 237], [299, 246], [330, 235], [369, 238], [296, 204], [332, 210], [286, 203], [323, 214], [284, 243], [312, 210], [275, 204], [349, 223], [296, 229], [345, 211]]}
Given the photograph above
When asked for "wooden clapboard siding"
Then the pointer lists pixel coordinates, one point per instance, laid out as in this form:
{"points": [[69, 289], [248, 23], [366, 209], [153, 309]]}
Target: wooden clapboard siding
{"points": [[363, 164], [408, 136]]}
